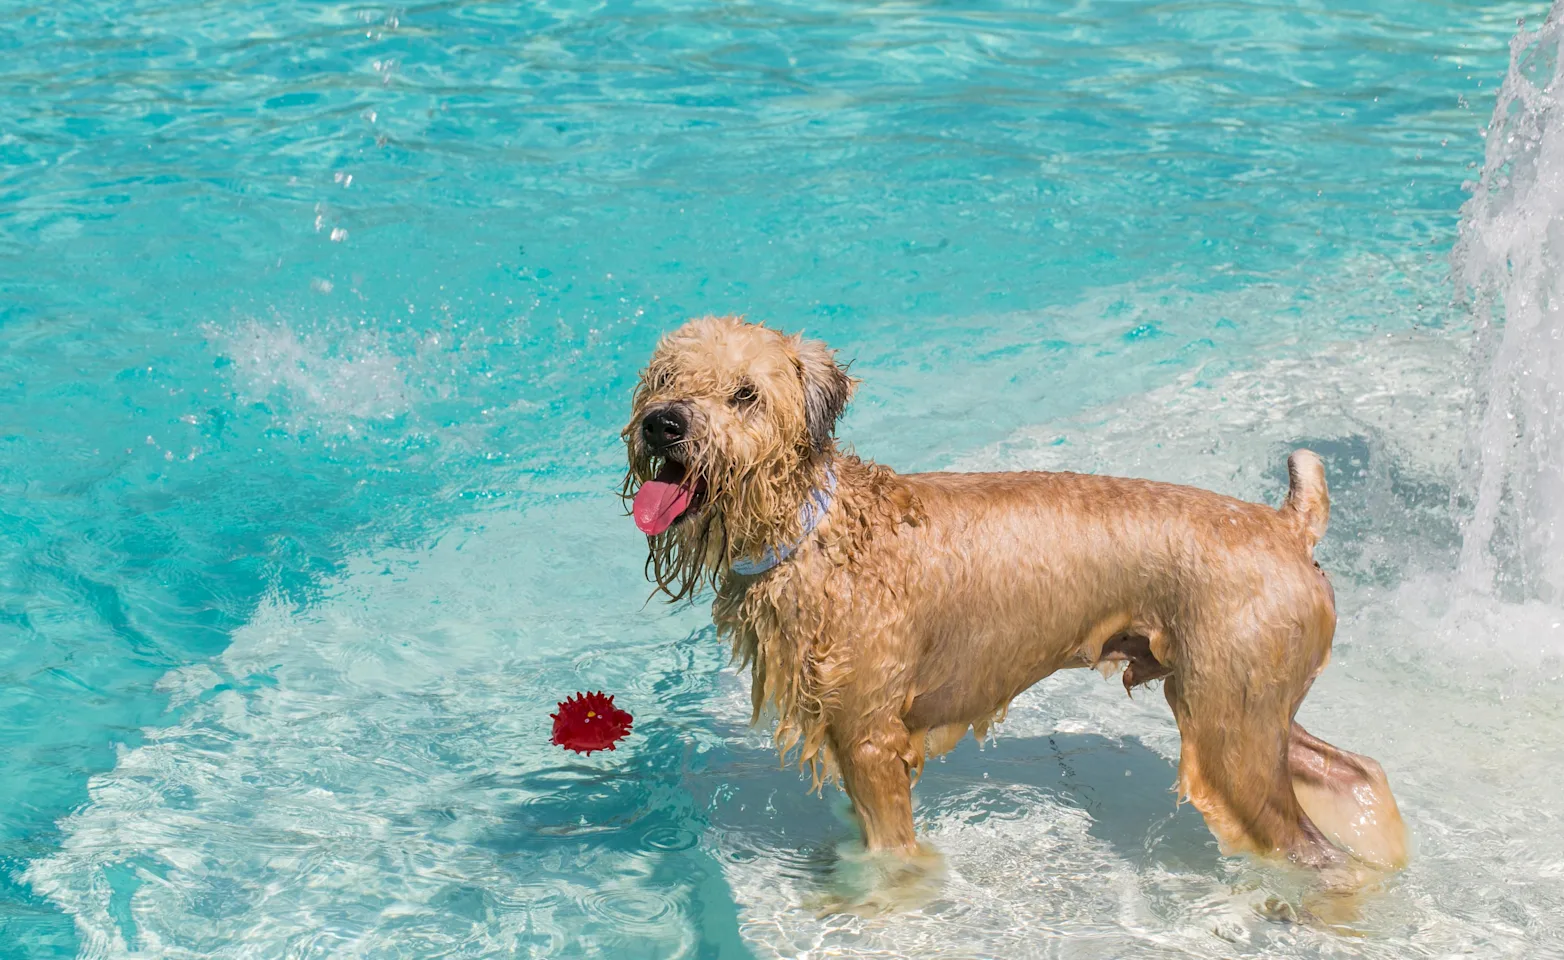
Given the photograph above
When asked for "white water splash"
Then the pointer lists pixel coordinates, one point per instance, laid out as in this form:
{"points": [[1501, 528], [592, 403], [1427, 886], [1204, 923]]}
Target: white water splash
{"points": [[1509, 259], [335, 381]]}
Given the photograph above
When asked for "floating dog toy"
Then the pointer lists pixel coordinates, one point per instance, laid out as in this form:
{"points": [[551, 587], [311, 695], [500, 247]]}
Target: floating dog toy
{"points": [[590, 721]]}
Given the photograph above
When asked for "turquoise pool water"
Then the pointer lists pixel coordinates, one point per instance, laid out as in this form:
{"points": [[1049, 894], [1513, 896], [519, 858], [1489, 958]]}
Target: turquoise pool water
{"points": [[318, 327]]}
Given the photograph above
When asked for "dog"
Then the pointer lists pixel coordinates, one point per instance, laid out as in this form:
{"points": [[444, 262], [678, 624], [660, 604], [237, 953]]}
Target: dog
{"points": [[884, 615]]}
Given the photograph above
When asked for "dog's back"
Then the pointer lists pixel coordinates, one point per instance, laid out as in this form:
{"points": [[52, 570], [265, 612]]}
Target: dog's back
{"points": [[1011, 576]]}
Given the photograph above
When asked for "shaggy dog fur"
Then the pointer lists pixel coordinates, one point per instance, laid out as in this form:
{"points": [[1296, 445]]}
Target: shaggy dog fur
{"points": [[921, 604]]}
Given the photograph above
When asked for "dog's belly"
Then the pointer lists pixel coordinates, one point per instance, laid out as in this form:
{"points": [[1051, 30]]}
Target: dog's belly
{"points": [[969, 672]]}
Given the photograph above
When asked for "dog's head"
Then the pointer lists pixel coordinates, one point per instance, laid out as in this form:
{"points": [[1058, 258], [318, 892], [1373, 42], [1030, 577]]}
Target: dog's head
{"points": [[731, 426]]}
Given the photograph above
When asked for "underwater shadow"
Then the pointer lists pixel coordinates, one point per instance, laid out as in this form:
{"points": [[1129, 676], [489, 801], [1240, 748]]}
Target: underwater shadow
{"points": [[677, 805], [1125, 788], [623, 828]]}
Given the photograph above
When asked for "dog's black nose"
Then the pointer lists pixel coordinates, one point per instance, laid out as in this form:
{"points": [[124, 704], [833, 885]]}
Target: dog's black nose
{"points": [[663, 427]]}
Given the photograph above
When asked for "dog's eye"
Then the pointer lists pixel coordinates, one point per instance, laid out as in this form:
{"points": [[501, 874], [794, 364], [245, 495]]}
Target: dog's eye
{"points": [[744, 395]]}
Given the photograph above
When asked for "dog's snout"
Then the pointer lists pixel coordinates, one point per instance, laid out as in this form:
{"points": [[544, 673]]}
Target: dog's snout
{"points": [[663, 427]]}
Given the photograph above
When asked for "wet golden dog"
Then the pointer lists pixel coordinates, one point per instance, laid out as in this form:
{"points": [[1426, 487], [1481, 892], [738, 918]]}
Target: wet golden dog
{"points": [[884, 615]]}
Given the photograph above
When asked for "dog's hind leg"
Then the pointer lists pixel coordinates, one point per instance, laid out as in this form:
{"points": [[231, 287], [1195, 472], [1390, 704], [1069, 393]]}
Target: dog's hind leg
{"points": [[1348, 798], [1234, 766]]}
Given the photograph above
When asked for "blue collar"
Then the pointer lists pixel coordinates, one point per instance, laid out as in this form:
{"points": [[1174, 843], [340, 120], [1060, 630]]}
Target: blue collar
{"points": [[809, 516]]}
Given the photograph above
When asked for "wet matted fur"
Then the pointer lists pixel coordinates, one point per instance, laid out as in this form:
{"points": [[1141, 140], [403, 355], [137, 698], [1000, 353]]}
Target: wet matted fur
{"points": [[921, 604]]}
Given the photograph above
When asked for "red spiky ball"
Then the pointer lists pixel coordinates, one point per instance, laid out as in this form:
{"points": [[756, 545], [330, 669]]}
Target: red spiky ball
{"points": [[590, 721]]}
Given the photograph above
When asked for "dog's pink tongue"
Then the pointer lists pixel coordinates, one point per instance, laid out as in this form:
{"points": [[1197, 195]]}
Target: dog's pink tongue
{"points": [[658, 504]]}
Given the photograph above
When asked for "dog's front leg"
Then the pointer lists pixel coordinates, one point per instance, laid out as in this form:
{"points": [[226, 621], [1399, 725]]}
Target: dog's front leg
{"points": [[878, 780], [893, 872]]}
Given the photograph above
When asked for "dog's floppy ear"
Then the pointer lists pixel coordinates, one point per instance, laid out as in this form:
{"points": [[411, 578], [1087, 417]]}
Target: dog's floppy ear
{"points": [[827, 388]]}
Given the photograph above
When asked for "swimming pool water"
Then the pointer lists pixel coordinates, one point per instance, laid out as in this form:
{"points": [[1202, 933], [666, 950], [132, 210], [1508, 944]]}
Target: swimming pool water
{"points": [[318, 327]]}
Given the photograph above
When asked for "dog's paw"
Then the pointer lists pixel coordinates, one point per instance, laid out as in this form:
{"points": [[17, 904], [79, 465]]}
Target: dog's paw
{"points": [[873, 883], [1277, 910]]}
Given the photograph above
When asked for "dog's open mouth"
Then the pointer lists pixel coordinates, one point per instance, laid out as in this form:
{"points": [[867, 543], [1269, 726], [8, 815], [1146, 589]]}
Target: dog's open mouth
{"points": [[662, 501]]}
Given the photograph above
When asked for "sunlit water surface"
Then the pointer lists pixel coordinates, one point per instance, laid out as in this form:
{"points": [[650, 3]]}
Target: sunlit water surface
{"points": [[317, 330]]}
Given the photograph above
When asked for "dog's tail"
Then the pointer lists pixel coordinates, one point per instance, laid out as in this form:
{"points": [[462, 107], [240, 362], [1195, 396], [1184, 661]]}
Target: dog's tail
{"points": [[1308, 500]]}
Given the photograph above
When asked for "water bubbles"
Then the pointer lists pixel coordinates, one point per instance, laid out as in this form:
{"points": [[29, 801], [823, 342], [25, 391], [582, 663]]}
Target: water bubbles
{"points": [[387, 25], [338, 234]]}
